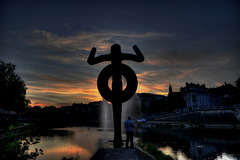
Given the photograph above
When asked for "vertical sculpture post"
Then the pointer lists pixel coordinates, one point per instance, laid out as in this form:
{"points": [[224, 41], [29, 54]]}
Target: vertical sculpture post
{"points": [[116, 103], [116, 69]]}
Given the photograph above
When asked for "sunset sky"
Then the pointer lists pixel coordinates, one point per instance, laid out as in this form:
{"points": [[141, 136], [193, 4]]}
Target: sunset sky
{"points": [[183, 41]]}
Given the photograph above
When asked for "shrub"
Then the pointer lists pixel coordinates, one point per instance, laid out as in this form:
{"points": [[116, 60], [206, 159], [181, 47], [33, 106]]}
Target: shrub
{"points": [[17, 148]]}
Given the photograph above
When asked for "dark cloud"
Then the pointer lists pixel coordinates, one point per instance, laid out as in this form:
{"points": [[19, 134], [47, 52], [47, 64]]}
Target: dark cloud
{"points": [[182, 41]]}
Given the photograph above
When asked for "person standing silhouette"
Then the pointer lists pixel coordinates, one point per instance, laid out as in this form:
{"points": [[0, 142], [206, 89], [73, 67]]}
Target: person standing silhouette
{"points": [[129, 131]]}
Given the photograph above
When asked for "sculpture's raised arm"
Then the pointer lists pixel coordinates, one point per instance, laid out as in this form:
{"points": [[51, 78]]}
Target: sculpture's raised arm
{"points": [[137, 58], [94, 60], [115, 49]]}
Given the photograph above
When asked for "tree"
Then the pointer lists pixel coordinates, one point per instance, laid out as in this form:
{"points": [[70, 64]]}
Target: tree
{"points": [[238, 89], [238, 83], [12, 89]]}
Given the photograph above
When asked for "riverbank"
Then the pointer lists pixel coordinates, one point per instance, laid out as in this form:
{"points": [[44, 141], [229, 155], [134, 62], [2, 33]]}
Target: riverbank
{"points": [[170, 124], [194, 143], [107, 152], [16, 130]]}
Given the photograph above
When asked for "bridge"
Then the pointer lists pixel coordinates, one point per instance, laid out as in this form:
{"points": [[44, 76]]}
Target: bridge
{"points": [[215, 115]]}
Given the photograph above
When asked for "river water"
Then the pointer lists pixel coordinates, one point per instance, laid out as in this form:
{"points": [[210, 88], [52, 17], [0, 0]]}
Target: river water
{"points": [[182, 144], [77, 142], [196, 143]]}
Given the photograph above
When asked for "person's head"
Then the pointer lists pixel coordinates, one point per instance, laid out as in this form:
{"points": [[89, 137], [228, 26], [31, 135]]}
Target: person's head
{"points": [[129, 118]]}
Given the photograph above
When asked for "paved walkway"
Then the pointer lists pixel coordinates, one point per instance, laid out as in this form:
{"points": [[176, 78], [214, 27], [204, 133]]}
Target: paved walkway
{"points": [[117, 154], [107, 152]]}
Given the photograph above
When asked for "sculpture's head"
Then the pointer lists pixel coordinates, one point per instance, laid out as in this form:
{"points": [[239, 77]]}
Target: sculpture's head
{"points": [[116, 48], [116, 54]]}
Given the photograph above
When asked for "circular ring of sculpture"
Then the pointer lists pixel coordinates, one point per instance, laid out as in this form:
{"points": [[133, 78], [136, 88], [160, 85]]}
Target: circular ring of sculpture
{"points": [[127, 93]]}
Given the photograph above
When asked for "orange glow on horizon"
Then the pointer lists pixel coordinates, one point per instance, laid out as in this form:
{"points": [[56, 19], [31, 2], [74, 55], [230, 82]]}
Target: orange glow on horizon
{"points": [[61, 90], [85, 92], [155, 89], [218, 84], [39, 104], [146, 87]]}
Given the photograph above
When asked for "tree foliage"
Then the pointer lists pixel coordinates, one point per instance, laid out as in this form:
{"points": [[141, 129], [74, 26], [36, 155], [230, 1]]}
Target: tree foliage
{"points": [[14, 148], [238, 89], [12, 89], [238, 83]]}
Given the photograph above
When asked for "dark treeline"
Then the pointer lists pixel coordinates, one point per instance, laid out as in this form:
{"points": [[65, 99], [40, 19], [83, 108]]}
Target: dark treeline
{"points": [[77, 114]]}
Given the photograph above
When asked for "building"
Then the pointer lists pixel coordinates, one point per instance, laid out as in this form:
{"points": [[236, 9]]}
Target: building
{"points": [[175, 100], [196, 96], [152, 102], [94, 110], [227, 93]]}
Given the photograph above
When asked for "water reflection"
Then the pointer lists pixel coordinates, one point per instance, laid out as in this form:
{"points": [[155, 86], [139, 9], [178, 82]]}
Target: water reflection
{"points": [[169, 151], [181, 144], [184, 144], [77, 142], [226, 156], [75, 151]]}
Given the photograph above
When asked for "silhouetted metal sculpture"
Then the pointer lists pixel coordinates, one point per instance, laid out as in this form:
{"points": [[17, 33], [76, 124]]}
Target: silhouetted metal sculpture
{"points": [[116, 69]]}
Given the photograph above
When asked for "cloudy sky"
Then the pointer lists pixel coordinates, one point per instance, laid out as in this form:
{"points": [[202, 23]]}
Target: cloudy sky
{"points": [[182, 41]]}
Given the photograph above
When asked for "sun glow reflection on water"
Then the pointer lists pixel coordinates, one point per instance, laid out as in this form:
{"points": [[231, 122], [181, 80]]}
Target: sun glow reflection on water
{"points": [[168, 151], [225, 156], [74, 151], [179, 155], [77, 142]]}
